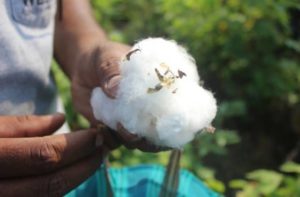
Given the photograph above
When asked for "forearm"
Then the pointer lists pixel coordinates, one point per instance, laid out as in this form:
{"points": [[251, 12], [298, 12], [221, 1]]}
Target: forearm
{"points": [[76, 33]]}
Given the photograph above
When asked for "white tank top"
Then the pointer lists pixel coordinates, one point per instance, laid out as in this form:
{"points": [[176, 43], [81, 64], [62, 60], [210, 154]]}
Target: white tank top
{"points": [[26, 48]]}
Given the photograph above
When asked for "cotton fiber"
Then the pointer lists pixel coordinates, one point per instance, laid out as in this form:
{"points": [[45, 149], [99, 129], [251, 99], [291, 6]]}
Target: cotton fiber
{"points": [[159, 95]]}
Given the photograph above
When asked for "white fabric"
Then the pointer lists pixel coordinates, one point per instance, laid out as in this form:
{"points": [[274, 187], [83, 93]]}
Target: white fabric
{"points": [[26, 45], [26, 50]]}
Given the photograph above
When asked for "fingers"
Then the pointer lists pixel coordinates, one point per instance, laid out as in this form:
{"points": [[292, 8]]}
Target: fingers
{"points": [[108, 67], [33, 156], [110, 77], [30, 125], [54, 184], [124, 134], [81, 98], [110, 139], [132, 141]]}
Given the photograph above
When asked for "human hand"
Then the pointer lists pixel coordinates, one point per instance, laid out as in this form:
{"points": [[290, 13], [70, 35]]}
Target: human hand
{"points": [[99, 68], [102, 69], [115, 138], [34, 164]]}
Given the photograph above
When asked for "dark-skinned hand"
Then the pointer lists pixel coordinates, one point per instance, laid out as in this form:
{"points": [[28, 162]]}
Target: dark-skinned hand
{"points": [[32, 163], [102, 69]]}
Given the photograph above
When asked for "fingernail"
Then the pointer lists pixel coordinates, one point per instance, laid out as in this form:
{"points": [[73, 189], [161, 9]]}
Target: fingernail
{"points": [[58, 116], [99, 140], [112, 85]]}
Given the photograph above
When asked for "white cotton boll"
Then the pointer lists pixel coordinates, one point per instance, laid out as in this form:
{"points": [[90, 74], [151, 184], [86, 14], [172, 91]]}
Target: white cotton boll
{"points": [[108, 105], [159, 96]]}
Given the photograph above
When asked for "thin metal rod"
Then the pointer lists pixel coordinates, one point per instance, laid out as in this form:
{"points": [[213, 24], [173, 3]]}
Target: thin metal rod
{"points": [[171, 179]]}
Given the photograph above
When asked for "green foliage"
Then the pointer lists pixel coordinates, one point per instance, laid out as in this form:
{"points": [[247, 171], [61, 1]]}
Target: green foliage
{"points": [[248, 42], [245, 53], [269, 183], [244, 47], [216, 143]]}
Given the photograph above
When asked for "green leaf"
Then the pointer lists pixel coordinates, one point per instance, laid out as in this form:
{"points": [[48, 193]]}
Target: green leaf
{"points": [[268, 181], [290, 167], [215, 185], [293, 44], [238, 184]]}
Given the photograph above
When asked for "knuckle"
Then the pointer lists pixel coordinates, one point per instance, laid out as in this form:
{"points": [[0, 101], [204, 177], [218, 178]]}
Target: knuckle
{"points": [[46, 155], [24, 118]]}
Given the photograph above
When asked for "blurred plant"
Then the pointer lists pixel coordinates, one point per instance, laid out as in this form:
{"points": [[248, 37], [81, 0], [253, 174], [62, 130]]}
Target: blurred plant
{"points": [[247, 54], [244, 49], [248, 41], [269, 183]]}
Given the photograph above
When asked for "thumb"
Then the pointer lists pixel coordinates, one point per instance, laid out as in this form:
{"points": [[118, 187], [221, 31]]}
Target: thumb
{"points": [[110, 87], [30, 125]]}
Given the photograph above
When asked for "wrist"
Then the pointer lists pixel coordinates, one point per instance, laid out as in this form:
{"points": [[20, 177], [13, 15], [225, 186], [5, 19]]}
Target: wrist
{"points": [[82, 51]]}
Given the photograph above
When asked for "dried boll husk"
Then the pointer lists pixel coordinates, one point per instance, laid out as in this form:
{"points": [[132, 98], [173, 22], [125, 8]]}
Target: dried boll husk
{"points": [[159, 95]]}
